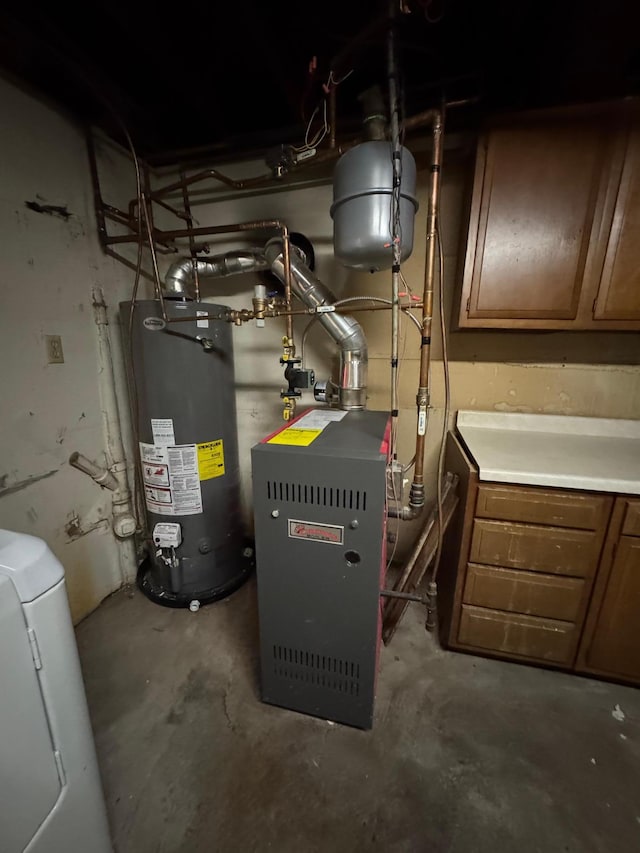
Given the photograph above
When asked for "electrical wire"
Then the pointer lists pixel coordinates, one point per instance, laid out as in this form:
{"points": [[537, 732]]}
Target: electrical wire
{"points": [[447, 404], [321, 134], [332, 80]]}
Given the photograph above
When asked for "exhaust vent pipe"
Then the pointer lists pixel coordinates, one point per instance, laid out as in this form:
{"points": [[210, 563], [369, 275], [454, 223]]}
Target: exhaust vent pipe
{"points": [[179, 278], [350, 391]]}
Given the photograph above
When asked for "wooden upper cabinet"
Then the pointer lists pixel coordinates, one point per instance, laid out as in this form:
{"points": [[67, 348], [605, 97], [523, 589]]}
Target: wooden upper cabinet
{"points": [[554, 211], [618, 295]]}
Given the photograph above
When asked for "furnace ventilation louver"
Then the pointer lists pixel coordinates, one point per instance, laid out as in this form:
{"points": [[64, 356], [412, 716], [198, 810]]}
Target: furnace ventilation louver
{"points": [[321, 670], [317, 495]]}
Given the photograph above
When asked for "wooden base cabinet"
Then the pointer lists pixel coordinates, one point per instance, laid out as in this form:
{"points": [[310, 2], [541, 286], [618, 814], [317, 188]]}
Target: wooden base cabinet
{"points": [[542, 575], [611, 641]]}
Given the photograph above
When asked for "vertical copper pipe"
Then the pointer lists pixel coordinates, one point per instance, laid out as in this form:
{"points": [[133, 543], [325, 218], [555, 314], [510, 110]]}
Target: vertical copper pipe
{"points": [[422, 399], [286, 257]]}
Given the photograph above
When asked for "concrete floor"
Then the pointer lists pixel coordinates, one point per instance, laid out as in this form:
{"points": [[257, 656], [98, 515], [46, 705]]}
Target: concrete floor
{"points": [[466, 754]]}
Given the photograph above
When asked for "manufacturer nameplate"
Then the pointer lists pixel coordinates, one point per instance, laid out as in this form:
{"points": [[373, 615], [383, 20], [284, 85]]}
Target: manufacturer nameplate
{"points": [[315, 532]]}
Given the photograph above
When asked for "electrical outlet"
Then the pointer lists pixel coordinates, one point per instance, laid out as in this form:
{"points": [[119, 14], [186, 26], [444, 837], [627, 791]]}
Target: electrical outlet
{"points": [[54, 349]]}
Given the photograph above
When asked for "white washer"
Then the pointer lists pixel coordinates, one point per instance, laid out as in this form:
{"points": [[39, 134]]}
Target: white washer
{"points": [[52, 799]]}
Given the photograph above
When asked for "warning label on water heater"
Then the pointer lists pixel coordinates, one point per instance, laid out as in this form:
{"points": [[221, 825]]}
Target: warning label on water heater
{"points": [[211, 459], [171, 479]]}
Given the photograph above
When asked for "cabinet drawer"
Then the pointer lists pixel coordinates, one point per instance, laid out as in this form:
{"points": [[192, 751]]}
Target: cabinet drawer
{"points": [[631, 526], [510, 633], [553, 550], [542, 506], [529, 593]]}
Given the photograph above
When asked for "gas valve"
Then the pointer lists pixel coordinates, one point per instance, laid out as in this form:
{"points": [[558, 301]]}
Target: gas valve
{"points": [[289, 411]]}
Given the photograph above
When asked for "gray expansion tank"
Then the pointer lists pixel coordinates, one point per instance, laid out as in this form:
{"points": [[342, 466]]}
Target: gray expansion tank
{"points": [[186, 416], [361, 209]]}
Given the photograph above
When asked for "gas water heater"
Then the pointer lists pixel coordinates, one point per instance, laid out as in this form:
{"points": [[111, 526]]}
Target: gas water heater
{"points": [[181, 383]]}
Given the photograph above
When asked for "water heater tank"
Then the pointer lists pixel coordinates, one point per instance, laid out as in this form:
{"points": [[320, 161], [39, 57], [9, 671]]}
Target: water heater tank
{"points": [[361, 210], [183, 396]]}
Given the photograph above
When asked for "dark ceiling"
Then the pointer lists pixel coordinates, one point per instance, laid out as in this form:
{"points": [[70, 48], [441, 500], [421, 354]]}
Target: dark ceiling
{"points": [[234, 75]]}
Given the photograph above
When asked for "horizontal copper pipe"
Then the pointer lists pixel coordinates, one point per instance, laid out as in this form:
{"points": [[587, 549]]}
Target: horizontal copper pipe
{"points": [[162, 236], [295, 312], [206, 175]]}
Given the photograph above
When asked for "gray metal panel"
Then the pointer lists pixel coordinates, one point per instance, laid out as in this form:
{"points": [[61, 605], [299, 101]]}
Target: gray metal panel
{"points": [[319, 611], [176, 378]]}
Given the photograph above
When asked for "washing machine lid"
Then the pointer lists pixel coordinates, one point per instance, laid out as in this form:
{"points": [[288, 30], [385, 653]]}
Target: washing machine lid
{"points": [[29, 563]]}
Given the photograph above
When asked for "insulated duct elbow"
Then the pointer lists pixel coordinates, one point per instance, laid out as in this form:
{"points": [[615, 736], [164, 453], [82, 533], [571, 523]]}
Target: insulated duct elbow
{"points": [[350, 391], [180, 276]]}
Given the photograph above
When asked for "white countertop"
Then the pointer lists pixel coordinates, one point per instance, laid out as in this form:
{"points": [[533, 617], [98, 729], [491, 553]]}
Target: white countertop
{"points": [[595, 454]]}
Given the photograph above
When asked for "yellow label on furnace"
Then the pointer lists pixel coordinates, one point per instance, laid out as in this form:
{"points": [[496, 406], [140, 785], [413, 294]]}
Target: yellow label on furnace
{"points": [[296, 437], [211, 459]]}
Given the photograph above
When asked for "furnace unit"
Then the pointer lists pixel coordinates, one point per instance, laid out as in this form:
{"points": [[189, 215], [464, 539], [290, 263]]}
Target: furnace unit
{"points": [[319, 499]]}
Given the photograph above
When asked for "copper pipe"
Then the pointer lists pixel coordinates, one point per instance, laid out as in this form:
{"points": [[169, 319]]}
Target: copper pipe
{"points": [[134, 203], [116, 213], [148, 220], [162, 236], [429, 116], [300, 311], [275, 313], [416, 493], [419, 120], [422, 399], [184, 182], [286, 258]]}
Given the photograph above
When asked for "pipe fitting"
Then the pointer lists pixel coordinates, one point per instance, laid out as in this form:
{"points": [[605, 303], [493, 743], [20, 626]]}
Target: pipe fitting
{"points": [[422, 398], [374, 113], [124, 524], [259, 304], [102, 476], [416, 495], [345, 331]]}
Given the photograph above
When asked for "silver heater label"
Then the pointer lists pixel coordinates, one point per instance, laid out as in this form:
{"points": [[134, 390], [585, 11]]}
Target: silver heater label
{"points": [[315, 532]]}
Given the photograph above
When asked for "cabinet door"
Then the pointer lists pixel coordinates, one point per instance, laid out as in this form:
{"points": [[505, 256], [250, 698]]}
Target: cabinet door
{"points": [[537, 187], [614, 648], [619, 291]]}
